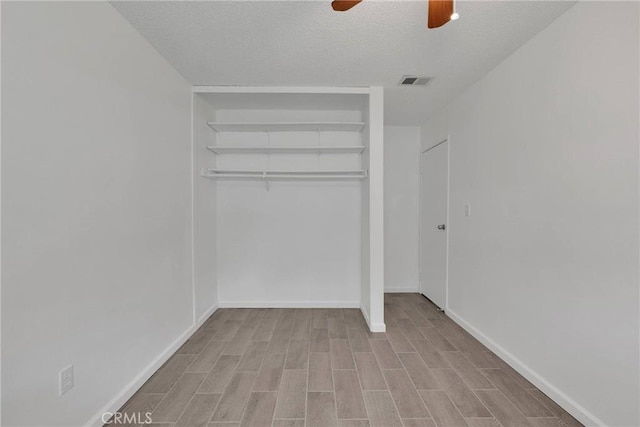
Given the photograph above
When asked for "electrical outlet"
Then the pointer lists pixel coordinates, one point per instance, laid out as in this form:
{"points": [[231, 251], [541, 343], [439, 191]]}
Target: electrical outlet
{"points": [[467, 210], [66, 379]]}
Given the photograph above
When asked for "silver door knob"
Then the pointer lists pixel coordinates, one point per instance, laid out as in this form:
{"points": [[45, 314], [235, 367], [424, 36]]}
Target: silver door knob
{"points": [[441, 227]]}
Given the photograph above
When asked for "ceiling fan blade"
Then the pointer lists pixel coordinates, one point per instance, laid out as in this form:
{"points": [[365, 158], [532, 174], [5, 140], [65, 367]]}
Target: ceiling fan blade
{"points": [[343, 5], [440, 12]]}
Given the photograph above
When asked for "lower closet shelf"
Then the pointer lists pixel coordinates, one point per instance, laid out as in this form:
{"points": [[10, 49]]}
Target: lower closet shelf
{"points": [[285, 175]]}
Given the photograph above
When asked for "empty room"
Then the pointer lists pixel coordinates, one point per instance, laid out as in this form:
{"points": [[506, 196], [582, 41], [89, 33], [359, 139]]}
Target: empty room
{"points": [[317, 213]]}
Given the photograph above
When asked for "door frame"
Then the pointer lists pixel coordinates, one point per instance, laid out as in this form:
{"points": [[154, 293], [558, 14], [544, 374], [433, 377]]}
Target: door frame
{"points": [[446, 140]]}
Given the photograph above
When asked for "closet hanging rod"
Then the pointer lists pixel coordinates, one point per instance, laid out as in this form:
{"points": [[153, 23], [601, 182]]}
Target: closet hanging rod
{"points": [[286, 126], [284, 175]]}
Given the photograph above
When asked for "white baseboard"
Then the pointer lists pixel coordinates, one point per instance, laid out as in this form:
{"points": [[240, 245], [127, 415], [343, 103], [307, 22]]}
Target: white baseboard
{"points": [[409, 290], [131, 388], [375, 327], [568, 404], [289, 304], [206, 315]]}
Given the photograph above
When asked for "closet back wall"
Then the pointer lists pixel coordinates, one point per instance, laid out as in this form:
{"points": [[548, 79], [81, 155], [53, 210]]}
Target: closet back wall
{"points": [[296, 243]]}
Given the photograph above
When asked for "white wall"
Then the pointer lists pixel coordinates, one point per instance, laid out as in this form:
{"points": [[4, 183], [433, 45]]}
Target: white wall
{"points": [[401, 208], [297, 244], [96, 220], [545, 149], [204, 211]]}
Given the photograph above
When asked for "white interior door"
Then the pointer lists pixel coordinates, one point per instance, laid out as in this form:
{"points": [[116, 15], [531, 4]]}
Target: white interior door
{"points": [[433, 225]]}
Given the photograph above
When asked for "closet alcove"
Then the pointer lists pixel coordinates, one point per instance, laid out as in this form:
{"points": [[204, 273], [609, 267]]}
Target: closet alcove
{"points": [[288, 206]]}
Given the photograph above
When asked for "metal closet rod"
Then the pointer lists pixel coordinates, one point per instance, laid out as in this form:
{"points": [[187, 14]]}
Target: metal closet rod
{"points": [[226, 173]]}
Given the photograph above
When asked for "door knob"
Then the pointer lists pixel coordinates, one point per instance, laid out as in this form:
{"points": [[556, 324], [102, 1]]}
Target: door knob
{"points": [[441, 227]]}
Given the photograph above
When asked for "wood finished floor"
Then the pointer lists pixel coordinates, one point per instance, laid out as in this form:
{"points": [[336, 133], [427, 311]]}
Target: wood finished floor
{"points": [[322, 367]]}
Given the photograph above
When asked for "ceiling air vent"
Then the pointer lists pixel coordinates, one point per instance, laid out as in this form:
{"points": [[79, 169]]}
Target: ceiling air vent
{"points": [[415, 81]]}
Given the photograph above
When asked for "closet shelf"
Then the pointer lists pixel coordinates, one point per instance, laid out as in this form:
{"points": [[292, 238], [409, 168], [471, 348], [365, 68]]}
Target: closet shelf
{"points": [[220, 149], [286, 126], [285, 175]]}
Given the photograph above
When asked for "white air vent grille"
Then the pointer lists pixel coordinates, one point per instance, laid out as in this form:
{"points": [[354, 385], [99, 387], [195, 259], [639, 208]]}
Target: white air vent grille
{"points": [[415, 81]]}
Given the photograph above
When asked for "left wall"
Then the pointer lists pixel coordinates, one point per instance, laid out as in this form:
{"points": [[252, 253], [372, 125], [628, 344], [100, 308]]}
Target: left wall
{"points": [[96, 221]]}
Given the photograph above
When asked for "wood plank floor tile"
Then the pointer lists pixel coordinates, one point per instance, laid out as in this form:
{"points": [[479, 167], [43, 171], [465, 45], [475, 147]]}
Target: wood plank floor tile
{"points": [[354, 423], [297, 355], [197, 342], [461, 395], [420, 374], [139, 405], [358, 340], [319, 318], [502, 408], [556, 410], [528, 405], [254, 318], [239, 313], [349, 401], [273, 313], [398, 339], [320, 375], [228, 330], [386, 357], [546, 422], [335, 313], [321, 410], [288, 423], [207, 357], [292, 394], [199, 410], [168, 374], [337, 328], [259, 411], [480, 359], [270, 373], [524, 383], [240, 341], [370, 374], [418, 422], [174, 402], [341, 356], [473, 377], [280, 341], [405, 395], [417, 317], [302, 326], [264, 331], [319, 340], [263, 364], [381, 409], [252, 358], [442, 409], [216, 320], [483, 422], [438, 341], [410, 329], [353, 318], [235, 397], [217, 380], [431, 356]]}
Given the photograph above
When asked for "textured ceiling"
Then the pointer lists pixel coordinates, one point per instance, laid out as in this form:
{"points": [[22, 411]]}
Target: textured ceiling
{"points": [[305, 43]]}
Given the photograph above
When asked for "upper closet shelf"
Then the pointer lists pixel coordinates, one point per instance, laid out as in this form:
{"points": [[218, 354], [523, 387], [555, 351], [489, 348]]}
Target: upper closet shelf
{"points": [[220, 149], [286, 126]]}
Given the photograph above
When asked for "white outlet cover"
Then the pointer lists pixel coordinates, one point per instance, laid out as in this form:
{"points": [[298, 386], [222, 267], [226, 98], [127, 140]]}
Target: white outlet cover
{"points": [[66, 379]]}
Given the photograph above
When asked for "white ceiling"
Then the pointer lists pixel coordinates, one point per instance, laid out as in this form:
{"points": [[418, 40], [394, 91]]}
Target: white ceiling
{"points": [[305, 43]]}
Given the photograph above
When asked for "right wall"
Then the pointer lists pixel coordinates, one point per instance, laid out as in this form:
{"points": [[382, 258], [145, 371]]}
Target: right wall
{"points": [[545, 270]]}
